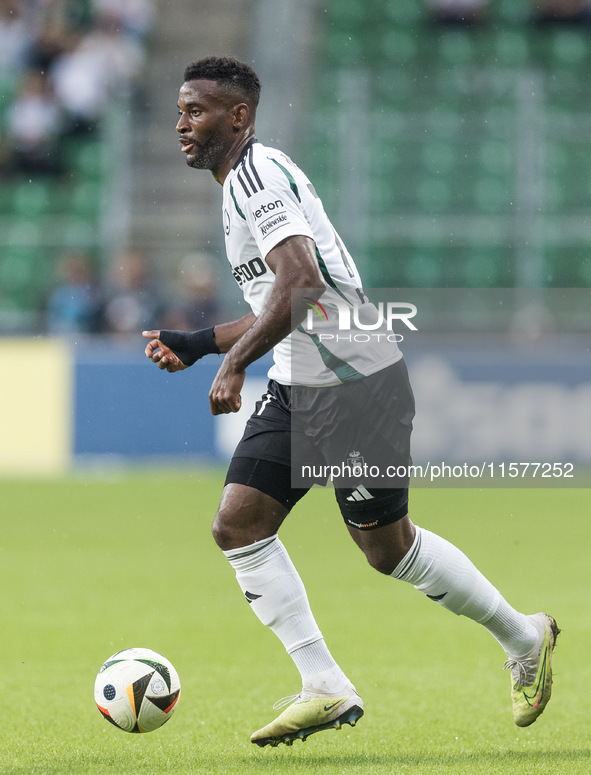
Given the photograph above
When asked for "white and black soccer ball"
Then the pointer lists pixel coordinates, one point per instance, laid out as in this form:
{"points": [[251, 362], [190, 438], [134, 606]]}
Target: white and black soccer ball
{"points": [[137, 690]]}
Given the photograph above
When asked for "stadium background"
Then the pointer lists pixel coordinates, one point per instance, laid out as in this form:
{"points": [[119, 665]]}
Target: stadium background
{"points": [[450, 155]]}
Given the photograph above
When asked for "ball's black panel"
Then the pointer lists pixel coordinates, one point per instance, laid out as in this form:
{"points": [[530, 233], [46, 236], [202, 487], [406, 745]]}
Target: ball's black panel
{"points": [[165, 701], [139, 690], [162, 670]]}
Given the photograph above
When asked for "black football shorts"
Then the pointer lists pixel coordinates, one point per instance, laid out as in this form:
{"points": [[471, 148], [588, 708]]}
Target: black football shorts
{"points": [[356, 435]]}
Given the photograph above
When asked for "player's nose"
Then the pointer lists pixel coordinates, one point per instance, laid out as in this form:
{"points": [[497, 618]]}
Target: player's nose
{"points": [[182, 124]]}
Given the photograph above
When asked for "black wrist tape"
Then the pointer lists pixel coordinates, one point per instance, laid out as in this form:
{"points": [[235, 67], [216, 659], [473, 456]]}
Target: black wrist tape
{"points": [[189, 347]]}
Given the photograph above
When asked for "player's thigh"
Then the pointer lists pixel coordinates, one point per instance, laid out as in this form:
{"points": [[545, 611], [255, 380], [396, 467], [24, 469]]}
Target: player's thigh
{"points": [[258, 492]]}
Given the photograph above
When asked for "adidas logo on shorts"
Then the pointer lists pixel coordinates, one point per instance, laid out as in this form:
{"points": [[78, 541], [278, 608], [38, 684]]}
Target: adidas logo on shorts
{"points": [[360, 494]]}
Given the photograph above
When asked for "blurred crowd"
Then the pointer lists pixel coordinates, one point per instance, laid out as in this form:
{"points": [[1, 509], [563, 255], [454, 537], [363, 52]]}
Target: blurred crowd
{"points": [[543, 12], [130, 299], [59, 62]]}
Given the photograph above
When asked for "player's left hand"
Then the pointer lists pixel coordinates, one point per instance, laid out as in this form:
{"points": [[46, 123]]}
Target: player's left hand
{"points": [[224, 396]]}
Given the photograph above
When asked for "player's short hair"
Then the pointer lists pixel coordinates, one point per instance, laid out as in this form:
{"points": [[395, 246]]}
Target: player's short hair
{"points": [[235, 76]]}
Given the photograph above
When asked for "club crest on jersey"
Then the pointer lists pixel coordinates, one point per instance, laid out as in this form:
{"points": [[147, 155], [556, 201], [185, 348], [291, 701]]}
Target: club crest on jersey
{"points": [[355, 459]]}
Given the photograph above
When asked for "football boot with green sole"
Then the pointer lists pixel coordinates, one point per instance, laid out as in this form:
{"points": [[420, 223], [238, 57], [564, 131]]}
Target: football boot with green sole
{"points": [[310, 712]]}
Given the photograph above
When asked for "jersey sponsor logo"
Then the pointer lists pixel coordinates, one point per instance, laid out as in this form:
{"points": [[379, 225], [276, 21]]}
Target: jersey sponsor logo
{"points": [[249, 271], [267, 208], [271, 224]]}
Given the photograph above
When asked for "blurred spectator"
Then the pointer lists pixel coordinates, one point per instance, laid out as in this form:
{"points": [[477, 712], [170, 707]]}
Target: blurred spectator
{"points": [[64, 14], [132, 303], [458, 12], [57, 23], [33, 125], [75, 305], [15, 37], [552, 12], [133, 17], [196, 300], [89, 48], [50, 43], [84, 76]]}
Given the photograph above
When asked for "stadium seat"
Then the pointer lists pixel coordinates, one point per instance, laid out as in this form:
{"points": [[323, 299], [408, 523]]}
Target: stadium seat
{"points": [[439, 156], [397, 47], [570, 48], [423, 269], [341, 45], [79, 233], [85, 157], [486, 267], [446, 133], [6, 196], [567, 266], [456, 48], [402, 13], [434, 194], [31, 198], [511, 48], [511, 12], [493, 195], [24, 231], [85, 200], [17, 268]]}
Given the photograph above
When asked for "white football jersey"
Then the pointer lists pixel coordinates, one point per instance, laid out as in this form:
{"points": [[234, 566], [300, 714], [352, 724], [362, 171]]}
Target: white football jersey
{"points": [[266, 199]]}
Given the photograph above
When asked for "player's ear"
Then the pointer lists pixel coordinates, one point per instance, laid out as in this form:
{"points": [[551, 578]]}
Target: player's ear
{"points": [[240, 116]]}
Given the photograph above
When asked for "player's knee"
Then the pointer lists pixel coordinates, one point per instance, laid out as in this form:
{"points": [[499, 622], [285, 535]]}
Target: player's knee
{"points": [[223, 531], [381, 560], [232, 528], [387, 556]]}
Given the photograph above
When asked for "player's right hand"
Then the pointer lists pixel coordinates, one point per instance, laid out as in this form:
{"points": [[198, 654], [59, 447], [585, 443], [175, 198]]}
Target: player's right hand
{"points": [[160, 354]]}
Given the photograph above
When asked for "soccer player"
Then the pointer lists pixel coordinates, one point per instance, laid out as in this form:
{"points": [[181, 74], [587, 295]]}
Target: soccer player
{"points": [[282, 248]]}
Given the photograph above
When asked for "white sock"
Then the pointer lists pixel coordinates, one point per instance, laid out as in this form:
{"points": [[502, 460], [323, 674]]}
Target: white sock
{"points": [[318, 669], [444, 573], [513, 630], [273, 588]]}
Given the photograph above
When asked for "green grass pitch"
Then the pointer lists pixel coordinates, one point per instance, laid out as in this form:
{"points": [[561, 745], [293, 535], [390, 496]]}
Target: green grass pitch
{"points": [[90, 565]]}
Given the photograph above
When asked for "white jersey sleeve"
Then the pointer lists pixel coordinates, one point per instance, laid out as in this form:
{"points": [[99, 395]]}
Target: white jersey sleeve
{"points": [[268, 202]]}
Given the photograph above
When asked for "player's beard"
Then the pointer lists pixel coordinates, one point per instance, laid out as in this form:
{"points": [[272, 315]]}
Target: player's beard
{"points": [[207, 155]]}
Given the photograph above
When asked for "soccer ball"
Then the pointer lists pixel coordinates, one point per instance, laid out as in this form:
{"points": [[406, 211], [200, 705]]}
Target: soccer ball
{"points": [[137, 690]]}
